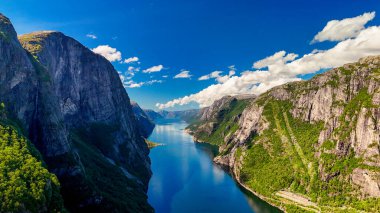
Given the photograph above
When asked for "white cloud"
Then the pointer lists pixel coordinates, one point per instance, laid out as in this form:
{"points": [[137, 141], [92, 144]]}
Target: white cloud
{"points": [[232, 67], [282, 68], [219, 78], [92, 36], [133, 69], [128, 75], [111, 54], [203, 78], [183, 74], [165, 76], [157, 68], [214, 74], [131, 60], [122, 77], [278, 58], [132, 84], [339, 30]]}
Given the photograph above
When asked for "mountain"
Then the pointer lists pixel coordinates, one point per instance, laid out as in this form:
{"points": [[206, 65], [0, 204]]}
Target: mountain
{"points": [[213, 121], [185, 115], [73, 107], [145, 123], [308, 145], [152, 115], [211, 112]]}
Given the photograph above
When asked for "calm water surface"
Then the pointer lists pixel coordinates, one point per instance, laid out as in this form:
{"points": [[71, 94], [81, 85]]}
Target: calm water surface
{"points": [[186, 180]]}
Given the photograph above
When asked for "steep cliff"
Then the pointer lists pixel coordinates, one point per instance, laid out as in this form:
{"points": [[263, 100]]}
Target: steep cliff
{"points": [[146, 125], [312, 144], [73, 106]]}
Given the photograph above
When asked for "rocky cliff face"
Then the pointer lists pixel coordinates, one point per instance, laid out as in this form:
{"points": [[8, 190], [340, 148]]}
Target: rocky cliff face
{"points": [[76, 111], [89, 92], [323, 133], [211, 112], [223, 115], [25, 87], [145, 123]]}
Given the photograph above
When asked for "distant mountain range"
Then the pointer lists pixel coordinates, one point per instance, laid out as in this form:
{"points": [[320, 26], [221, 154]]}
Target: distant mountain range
{"points": [[185, 115]]}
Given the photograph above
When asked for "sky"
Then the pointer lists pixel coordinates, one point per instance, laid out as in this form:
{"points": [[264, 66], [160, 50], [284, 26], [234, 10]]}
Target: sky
{"points": [[181, 54]]}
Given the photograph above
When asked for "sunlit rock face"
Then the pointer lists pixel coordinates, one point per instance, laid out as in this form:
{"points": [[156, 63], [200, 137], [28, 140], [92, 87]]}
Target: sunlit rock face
{"points": [[344, 100], [90, 91]]}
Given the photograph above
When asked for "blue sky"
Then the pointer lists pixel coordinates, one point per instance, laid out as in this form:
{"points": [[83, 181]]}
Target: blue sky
{"points": [[200, 36]]}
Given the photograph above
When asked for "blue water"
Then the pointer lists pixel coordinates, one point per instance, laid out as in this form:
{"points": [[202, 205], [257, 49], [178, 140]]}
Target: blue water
{"points": [[186, 180]]}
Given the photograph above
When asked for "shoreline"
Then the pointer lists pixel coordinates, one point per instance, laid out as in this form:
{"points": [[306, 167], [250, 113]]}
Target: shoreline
{"points": [[234, 175], [262, 197]]}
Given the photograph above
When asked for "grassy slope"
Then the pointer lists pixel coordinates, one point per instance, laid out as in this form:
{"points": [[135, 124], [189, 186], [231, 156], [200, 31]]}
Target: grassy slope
{"points": [[283, 157]]}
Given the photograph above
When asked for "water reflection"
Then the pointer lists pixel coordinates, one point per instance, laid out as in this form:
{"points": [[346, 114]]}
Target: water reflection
{"points": [[186, 180]]}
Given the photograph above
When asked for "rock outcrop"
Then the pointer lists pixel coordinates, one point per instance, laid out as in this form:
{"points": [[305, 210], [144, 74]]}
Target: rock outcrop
{"points": [[75, 108]]}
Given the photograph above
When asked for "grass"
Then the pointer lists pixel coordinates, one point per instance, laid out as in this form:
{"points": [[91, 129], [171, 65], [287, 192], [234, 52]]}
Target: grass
{"points": [[33, 42], [152, 144]]}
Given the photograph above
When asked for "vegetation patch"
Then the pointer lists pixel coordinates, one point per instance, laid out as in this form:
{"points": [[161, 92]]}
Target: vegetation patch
{"points": [[152, 144], [226, 123], [25, 184]]}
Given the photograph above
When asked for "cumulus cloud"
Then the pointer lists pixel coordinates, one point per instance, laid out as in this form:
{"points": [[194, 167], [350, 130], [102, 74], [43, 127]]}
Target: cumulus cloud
{"points": [[157, 68], [281, 68], [278, 58], [131, 60], [111, 54], [183, 74], [92, 36], [339, 30]]}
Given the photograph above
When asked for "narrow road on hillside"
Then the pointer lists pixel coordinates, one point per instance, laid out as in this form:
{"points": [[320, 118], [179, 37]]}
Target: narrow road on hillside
{"points": [[306, 163]]}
